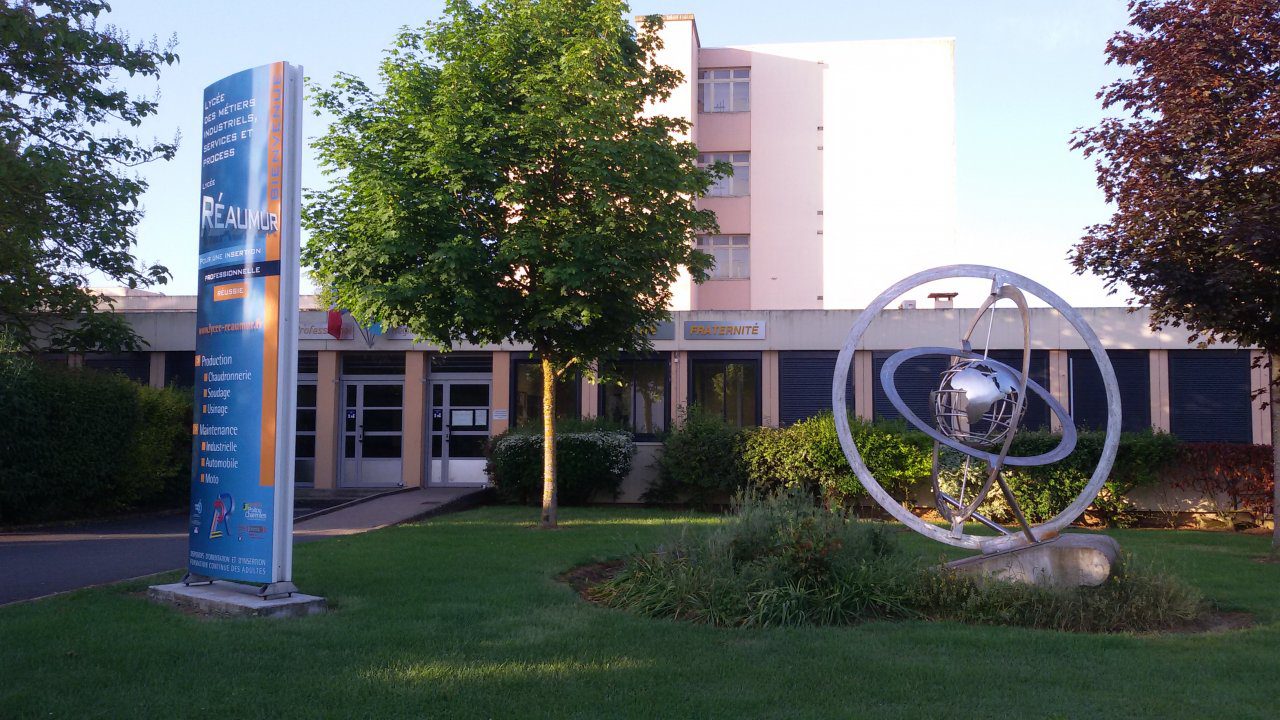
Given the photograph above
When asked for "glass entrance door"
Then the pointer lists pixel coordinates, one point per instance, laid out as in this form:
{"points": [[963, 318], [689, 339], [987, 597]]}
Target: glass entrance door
{"points": [[459, 430], [372, 433]]}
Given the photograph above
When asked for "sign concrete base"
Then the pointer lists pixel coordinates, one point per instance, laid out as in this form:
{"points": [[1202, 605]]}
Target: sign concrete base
{"points": [[228, 599], [1073, 560]]}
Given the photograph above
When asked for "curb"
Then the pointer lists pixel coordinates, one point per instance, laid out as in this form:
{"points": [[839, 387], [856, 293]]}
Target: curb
{"points": [[350, 503], [458, 504]]}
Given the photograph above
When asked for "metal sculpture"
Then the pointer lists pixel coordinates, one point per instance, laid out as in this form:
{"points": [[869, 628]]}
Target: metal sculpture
{"points": [[978, 407]]}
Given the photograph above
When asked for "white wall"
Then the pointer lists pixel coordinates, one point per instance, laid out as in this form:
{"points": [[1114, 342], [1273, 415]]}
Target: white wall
{"points": [[886, 168], [680, 51]]}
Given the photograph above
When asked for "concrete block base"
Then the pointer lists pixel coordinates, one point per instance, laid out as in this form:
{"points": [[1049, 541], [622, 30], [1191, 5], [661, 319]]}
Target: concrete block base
{"points": [[228, 599], [1073, 560]]}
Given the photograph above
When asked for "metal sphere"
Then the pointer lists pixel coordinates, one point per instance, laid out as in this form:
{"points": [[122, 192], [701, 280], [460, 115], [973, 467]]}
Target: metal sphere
{"points": [[977, 403]]}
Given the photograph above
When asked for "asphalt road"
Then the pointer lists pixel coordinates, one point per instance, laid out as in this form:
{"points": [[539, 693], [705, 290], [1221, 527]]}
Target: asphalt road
{"points": [[42, 562], [38, 563]]}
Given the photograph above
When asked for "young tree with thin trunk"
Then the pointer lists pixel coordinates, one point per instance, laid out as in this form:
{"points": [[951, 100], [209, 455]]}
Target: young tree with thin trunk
{"points": [[1191, 161], [506, 185]]}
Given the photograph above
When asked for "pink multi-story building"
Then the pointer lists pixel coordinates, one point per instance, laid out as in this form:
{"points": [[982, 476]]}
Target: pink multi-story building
{"points": [[844, 165]]}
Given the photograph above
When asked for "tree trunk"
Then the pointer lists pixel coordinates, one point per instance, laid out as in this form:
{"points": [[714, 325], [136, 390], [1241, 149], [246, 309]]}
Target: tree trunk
{"points": [[1274, 388], [548, 444]]}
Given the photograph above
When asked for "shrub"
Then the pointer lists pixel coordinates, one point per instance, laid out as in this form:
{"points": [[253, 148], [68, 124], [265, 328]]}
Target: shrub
{"points": [[1043, 491], [700, 461], [777, 561], [1230, 477], [808, 454], [160, 455], [78, 443], [782, 561], [589, 465]]}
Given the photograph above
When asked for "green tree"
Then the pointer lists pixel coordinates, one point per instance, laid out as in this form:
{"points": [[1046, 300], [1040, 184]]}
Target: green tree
{"points": [[68, 196], [1191, 161], [506, 185]]}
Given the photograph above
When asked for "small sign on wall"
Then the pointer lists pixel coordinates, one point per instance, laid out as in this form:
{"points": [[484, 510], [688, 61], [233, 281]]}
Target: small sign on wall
{"points": [[722, 330], [500, 414]]}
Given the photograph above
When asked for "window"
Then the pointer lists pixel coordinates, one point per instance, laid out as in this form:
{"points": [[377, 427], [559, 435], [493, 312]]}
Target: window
{"points": [[134, 365], [640, 402], [1036, 413], [804, 384], [735, 185], [728, 386], [373, 363], [461, 362], [1209, 395], [308, 362], [305, 432], [180, 369], [916, 380], [732, 254], [726, 90], [1088, 396], [526, 394]]}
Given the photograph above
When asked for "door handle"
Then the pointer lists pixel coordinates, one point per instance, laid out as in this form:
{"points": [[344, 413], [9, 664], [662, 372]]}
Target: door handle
{"points": [[360, 433]]}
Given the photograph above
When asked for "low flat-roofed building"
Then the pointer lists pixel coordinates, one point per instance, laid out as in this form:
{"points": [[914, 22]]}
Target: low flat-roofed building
{"points": [[374, 409]]}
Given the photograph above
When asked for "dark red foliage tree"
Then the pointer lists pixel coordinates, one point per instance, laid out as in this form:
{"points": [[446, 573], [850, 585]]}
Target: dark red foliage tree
{"points": [[1189, 154]]}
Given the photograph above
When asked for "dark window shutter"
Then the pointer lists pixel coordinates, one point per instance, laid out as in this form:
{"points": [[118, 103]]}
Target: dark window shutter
{"points": [[804, 385], [180, 369], [1036, 416], [1209, 395], [917, 379], [461, 362], [1089, 398], [373, 363], [134, 365]]}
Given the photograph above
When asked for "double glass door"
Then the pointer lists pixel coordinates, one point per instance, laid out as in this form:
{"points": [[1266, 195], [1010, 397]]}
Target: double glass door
{"points": [[459, 429], [372, 433]]}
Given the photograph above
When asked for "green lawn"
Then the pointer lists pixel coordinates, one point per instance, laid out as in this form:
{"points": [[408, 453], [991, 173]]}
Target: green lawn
{"points": [[462, 617]]}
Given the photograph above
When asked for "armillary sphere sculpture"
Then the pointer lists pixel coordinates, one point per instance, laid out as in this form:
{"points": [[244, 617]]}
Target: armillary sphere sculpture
{"points": [[977, 409]]}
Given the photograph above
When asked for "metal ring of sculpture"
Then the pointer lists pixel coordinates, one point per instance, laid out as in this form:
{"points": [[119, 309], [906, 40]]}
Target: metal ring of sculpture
{"points": [[979, 406]]}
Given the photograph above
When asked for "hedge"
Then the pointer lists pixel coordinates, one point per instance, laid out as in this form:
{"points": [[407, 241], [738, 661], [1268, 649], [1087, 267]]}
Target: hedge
{"points": [[1143, 459], [81, 443], [590, 465], [706, 460], [808, 454]]}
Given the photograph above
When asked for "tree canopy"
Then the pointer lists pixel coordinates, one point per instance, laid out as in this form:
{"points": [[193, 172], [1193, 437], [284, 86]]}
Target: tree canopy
{"points": [[68, 197], [507, 185], [1191, 160]]}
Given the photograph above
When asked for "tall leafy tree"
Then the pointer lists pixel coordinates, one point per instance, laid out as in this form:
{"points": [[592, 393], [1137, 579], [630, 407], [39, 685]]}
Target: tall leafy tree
{"points": [[68, 194], [1191, 160], [506, 185]]}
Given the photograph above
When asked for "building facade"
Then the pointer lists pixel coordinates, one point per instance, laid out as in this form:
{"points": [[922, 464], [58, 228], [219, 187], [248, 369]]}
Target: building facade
{"points": [[844, 182], [383, 411]]}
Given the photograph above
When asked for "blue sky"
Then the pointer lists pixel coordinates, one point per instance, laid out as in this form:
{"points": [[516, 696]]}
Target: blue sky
{"points": [[1026, 75]]}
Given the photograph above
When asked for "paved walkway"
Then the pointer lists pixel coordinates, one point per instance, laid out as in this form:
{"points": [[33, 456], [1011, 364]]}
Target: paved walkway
{"points": [[43, 562]]}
